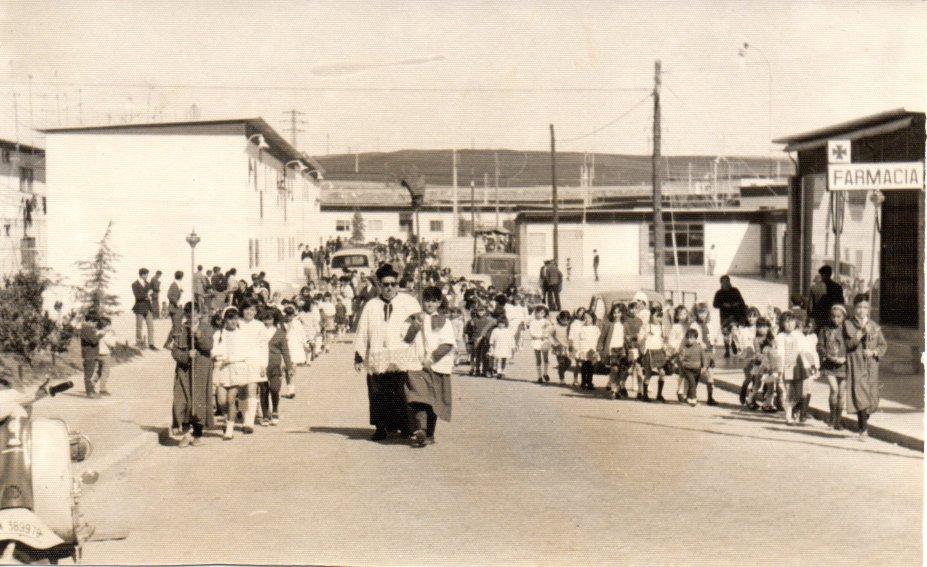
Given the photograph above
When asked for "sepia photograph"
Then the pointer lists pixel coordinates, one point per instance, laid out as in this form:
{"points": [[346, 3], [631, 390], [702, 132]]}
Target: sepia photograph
{"points": [[462, 283]]}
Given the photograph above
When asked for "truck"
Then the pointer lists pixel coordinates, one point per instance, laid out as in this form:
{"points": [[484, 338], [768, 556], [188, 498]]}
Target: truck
{"points": [[498, 268]]}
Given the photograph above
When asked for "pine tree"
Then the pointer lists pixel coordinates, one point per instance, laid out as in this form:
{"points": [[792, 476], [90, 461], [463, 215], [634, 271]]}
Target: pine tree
{"points": [[94, 296], [357, 227], [25, 330]]}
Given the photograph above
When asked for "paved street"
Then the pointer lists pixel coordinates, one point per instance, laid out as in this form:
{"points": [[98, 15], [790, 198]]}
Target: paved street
{"points": [[525, 474]]}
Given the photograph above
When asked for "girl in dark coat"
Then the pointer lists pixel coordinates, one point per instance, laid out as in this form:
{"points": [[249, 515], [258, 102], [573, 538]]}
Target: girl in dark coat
{"points": [[192, 407], [278, 362], [865, 346]]}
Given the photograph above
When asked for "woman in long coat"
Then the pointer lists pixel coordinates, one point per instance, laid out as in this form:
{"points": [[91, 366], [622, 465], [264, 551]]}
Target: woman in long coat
{"points": [[192, 406], [865, 346]]}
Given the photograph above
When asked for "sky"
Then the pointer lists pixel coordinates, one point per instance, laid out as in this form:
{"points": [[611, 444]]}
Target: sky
{"points": [[382, 76]]}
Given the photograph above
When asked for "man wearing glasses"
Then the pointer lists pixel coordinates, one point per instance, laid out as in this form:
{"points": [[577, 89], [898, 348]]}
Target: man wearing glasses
{"points": [[381, 348]]}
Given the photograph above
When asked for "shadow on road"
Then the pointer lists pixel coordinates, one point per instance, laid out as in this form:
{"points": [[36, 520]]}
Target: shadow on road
{"points": [[164, 434], [760, 437], [355, 434]]}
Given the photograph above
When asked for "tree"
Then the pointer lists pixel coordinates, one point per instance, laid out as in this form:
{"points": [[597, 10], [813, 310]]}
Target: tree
{"points": [[94, 296], [25, 329], [357, 227]]}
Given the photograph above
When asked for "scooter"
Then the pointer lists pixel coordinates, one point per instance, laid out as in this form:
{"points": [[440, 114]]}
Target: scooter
{"points": [[40, 521]]}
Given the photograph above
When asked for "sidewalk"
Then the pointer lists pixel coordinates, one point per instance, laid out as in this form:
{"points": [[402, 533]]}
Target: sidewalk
{"points": [[895, 422], [136, 414]]}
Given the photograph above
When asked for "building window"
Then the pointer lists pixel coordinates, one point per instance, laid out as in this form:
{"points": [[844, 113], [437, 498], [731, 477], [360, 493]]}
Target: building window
{"points": [[436, 226], [26, 177], [405, 222], [374, 224], [689, 245], [6, 156], [342, 226]]}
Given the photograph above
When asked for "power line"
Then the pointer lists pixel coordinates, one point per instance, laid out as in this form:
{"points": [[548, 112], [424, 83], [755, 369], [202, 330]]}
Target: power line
{"points": [[326, 89], [612, 123]]}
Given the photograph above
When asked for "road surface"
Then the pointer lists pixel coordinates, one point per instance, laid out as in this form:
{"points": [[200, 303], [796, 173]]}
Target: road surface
{"points": [[524, 475]]}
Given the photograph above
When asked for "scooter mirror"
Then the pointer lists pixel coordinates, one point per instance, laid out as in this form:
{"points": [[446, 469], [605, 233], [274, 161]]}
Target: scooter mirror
{"points": [[89, 476]]}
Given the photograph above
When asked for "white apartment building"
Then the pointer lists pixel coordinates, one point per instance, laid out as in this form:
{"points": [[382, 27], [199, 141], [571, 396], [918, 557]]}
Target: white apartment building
{"points": [[250, 196], [23, 207]]}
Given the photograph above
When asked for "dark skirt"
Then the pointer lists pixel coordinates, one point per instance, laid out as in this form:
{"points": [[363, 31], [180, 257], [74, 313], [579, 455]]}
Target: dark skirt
{"points": [[387, 395], [654, 360], [433, 389]]}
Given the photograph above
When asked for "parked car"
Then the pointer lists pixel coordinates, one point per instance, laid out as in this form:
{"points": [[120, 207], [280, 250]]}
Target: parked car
{"points": [[360, 260]]}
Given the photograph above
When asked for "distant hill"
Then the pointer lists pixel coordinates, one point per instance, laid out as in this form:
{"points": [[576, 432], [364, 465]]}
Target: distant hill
{"points": [[526, 169]]}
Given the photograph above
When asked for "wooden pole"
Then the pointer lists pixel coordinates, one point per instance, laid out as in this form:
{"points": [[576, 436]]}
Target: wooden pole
{"points": [[658, 228]]}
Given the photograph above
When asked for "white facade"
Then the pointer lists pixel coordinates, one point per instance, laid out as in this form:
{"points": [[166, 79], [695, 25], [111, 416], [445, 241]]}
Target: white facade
{"points": [[859, 241], [381, 225], [157, 187], [23, 207], [624, 247]]}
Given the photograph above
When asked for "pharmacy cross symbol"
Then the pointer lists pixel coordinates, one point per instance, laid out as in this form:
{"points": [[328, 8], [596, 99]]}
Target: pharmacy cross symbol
{"points": [[838, 152]]}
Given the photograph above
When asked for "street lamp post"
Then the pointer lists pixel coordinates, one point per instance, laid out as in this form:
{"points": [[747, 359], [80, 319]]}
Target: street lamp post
{"points": [[416, 189], [743, 55], [192, 239]]}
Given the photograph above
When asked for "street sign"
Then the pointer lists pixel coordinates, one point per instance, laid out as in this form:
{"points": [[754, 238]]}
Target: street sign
{"points": [[875, 176], [838, 151]]}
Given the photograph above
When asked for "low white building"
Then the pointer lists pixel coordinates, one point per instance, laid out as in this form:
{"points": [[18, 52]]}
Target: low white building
{"points": [[746, 242], [251, 197], [23, 207]]}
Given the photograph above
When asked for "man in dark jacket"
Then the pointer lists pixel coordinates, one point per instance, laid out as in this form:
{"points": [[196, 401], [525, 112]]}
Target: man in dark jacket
{"points": [[555, 285], [733, 310], [833, 295], [142, 309]]}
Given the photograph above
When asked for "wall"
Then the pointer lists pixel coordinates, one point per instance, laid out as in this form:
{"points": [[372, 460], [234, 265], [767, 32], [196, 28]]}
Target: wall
{"points": [[155, 189], [859, 238], [617, 245], [12, 201], [390, 223], [737, 247]]}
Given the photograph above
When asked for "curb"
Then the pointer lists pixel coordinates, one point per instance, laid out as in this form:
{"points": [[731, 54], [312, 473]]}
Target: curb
{"points": [[876, 432]]}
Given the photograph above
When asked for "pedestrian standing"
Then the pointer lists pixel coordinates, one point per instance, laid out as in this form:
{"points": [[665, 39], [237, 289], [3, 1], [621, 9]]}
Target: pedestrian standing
{"points": [[693, 363], [174, 293], [142, 309], [155, 287], [832, 348], [90, 350], [654, 360], [279, 364], [790, 344], [561, 344], [540, 331], [586, 341], [711, 258], [501, 346], [614, 352], [674, 343], [555, 281], [428, 390], [865, 346], [700, 324], [595, 264], [192, 351], [380, 349], [198, 284]]}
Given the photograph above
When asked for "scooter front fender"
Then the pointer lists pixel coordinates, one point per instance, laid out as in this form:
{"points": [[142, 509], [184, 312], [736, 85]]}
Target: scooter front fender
{"points": [[24, 526]]}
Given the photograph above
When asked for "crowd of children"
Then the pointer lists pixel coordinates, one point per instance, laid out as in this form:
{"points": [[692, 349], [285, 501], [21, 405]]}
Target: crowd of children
{"points": [[780, 351]]}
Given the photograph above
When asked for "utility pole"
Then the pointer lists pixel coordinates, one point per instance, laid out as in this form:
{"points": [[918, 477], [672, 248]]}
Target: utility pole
{"points": [[456, 223], [553, 196], [80, 107], [658, 228], [497, 190], [295, 122], [31, 123], [473, 217], [328, 139], [485, 189]]}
